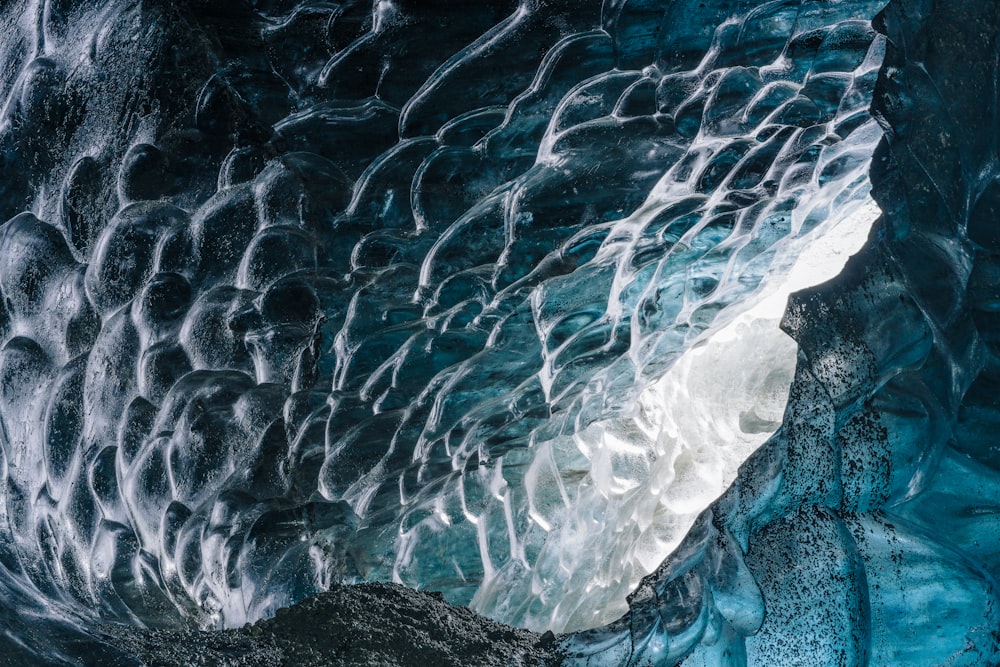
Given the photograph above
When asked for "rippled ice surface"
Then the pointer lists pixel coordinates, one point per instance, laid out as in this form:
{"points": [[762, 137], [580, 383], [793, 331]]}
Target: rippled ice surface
{"points": [[645, 476], [333, 291]]}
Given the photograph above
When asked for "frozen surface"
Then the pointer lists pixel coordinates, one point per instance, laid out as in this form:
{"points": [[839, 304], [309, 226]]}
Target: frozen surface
{"points": [[864, 531], [646, 476], [299, 293]]}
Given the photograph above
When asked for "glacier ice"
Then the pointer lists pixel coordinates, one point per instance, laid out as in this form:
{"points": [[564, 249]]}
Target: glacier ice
{"points": [[648, 474], [863, 532], [305, 292]]}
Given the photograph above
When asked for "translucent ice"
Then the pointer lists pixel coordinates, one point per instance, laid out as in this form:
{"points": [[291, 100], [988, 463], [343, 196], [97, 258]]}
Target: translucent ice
{"points": [[863, 531], [300, 292]]}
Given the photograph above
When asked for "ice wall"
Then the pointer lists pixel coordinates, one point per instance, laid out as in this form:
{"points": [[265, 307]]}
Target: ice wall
{"points": [[864, 531], [294, 293]]}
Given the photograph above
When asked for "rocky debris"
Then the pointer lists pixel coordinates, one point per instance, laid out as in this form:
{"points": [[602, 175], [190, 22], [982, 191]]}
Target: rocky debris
{"points": [[371, 625]]}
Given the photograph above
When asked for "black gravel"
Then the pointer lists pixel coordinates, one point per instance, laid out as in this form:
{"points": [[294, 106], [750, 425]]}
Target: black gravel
{"points": [[363, 624]]}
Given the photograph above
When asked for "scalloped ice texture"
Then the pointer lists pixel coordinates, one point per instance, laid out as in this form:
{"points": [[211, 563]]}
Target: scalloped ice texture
{"points": [[864, 532], [293, 293], [645, 477]]}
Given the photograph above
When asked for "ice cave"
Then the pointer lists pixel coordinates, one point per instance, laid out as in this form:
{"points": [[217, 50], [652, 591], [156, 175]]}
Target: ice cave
{"points": [[500, 332]]}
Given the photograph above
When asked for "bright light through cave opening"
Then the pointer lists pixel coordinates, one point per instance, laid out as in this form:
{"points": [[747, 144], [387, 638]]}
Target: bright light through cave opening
{"points": [[650, 474], [304, 297]]}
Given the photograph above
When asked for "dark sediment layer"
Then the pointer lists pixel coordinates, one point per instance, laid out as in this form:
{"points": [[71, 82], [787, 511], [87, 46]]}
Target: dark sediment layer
{"points": [[365, 625]]}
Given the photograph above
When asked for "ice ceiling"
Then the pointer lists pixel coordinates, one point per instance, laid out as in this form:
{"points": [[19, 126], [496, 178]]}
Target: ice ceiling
{"points": [[483, 298]]}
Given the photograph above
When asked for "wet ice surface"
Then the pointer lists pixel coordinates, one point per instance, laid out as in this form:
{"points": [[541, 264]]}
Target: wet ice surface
{"points": [[294, 295], [649, 474], [863, 532]]}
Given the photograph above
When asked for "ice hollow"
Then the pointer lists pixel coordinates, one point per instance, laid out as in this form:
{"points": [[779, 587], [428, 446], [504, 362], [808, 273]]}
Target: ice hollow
{"points": [[478, 299]]}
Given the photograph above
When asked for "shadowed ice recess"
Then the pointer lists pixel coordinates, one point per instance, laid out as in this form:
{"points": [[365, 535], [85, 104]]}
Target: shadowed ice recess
{"points": [[479, 299]]}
